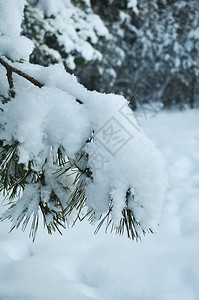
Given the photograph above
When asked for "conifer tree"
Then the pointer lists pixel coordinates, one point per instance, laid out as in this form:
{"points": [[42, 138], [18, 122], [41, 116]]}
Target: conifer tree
{"points": [[180, 50], [105, 28], [144, 51], [166, 51]]}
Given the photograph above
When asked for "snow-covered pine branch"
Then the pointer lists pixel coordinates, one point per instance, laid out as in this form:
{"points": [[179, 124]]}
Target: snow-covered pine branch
{"points": [[68, 153]]}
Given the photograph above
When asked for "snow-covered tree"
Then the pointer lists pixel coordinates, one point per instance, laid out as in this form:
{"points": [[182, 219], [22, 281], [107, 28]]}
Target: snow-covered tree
{"points": [[166, 52], [68, 153], [180, 52], [120, 18], [95, 45], [45, 24], [144, 51]]}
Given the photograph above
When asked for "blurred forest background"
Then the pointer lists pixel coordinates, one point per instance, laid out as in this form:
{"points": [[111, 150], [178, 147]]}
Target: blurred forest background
{"points": [[145, 50]]}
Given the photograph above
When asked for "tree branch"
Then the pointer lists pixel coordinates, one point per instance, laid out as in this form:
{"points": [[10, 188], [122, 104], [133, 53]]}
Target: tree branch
{"points": [[10, 69], [10, 82]]}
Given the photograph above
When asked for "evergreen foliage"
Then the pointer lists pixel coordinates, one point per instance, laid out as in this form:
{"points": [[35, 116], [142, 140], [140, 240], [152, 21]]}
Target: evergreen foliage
{"points": [[165, 52], [146, 52], [180, 52]]}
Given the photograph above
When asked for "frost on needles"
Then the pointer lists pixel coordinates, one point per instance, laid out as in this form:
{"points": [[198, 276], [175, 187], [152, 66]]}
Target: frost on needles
{"points": [[67, 153]]}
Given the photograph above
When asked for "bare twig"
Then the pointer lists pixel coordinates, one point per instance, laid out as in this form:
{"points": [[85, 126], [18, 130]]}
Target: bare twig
{"points": [[10, 82], [10, 69]]}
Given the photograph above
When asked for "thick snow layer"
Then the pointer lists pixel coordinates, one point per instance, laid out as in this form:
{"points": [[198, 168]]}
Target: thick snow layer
{"points": [[132, 4], [120, 158], [12, 44], [16, 48], [80, 265], [39, 119], [11, 15]]}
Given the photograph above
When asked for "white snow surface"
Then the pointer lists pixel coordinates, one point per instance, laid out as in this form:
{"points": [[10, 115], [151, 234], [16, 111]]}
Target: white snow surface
{"points": [[11, 15], [80, 265], [13, 45], [132, 4]]}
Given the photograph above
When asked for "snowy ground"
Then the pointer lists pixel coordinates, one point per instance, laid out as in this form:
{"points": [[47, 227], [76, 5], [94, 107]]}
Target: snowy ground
{"points": [[80, 265]]}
